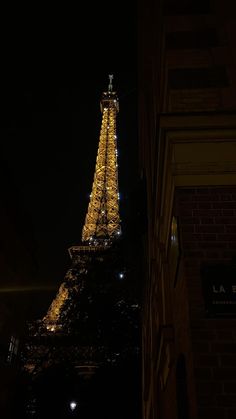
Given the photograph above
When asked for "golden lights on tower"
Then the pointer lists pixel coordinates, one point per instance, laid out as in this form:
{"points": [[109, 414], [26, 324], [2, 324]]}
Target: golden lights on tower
{"points": [[53, 315], [102, 221]]}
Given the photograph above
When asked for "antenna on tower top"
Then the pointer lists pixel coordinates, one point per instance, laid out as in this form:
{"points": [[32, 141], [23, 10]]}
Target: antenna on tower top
{"points": [[110, 87]]}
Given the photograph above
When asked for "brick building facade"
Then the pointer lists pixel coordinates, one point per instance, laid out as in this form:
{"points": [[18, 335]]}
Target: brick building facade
{"points": [[187, 131]]}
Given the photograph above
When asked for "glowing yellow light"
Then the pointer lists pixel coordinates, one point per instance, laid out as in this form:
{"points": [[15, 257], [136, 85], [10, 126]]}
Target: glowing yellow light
{"points": [[56, 307], [104, 198], [102, 220], [16, 289]]}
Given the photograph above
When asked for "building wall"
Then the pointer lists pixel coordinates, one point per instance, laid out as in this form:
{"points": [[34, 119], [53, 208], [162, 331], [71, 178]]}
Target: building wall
{"points": [[208, 236], [187, 143]]}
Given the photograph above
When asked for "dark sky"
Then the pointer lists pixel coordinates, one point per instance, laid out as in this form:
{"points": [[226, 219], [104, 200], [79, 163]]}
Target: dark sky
{"points": [[56, 71]]}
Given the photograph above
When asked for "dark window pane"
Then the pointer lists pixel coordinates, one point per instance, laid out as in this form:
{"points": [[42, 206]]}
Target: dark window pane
{"points": [[191, 40], [182, 388], [186, 7], [198, 78]]}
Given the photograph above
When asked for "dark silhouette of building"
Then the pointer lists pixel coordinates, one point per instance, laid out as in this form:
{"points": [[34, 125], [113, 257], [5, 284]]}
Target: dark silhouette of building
{"points": [[187, 131], [17, 269]]}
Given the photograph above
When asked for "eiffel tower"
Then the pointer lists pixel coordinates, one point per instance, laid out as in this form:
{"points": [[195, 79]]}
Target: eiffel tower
{"points": [[75, 360]]}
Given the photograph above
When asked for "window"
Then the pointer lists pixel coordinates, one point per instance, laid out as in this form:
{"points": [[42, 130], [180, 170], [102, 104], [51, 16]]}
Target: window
{"points": [[181, 388], [192, 39], [186, 7], [13, 349], [198, 78]]}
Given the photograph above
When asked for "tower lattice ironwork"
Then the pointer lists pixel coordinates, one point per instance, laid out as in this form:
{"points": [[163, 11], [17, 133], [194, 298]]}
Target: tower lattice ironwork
{"points": [[102, 221], [89, 335]]}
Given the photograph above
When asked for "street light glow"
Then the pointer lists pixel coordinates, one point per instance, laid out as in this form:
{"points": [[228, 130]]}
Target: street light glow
{"points": [[73, 405]]}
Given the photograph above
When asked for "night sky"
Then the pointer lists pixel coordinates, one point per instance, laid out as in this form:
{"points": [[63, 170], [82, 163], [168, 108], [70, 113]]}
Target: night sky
{"points": [[56, 70]]}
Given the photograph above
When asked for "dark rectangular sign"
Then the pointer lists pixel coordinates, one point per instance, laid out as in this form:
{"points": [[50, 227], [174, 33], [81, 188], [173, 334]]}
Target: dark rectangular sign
{"points": [[219, 289]]}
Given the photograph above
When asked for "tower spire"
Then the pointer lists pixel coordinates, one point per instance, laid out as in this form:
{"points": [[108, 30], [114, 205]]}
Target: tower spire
{"points": [[110, 87], [102, 222]]}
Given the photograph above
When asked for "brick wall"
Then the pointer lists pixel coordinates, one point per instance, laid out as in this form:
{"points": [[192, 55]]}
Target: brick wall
{"points": [[194, 100], [207, 218], [198, 42]]}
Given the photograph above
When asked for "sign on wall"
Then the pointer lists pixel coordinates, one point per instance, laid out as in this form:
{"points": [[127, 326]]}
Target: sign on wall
{"points": [[219, 289]]}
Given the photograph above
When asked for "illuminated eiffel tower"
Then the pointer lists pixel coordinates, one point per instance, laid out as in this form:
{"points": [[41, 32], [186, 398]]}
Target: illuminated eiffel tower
{"points": [[102, 222], [92, 322]]}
